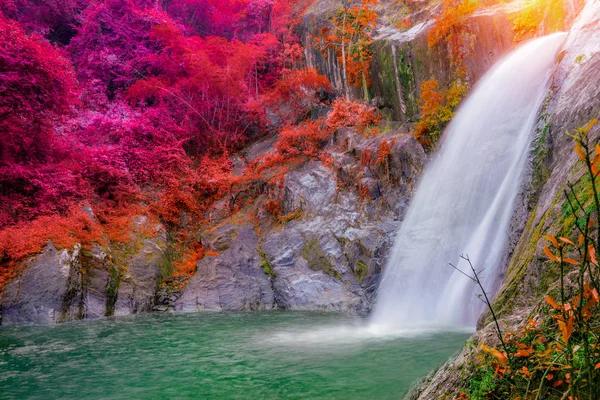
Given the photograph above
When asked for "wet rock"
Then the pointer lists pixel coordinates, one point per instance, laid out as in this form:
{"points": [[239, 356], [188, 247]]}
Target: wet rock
{"points": [[234, 280], [308, 276], [309, 189]]}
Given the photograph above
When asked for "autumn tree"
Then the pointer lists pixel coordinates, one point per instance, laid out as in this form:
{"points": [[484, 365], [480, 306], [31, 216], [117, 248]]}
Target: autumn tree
{"points": [[450, 28], [38, 88], [349, 36]]}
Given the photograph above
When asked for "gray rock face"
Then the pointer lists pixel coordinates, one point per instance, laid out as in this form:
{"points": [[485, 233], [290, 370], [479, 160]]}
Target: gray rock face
{"points": [[327, 249], [65, 285], [37, 295], [138, 283], [234, 280]]}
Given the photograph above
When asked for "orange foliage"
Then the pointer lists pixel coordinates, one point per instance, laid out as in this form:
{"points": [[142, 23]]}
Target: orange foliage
{"points": [[437, 109], [351, 38], [352, 114], [29, 238], [537, 13], [295, 94], [306, 139], [450, 27], [273, 207], [186, 267]]}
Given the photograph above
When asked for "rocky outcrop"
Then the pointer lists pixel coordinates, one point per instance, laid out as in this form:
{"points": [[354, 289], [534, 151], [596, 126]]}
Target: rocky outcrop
{"points": [[72, 284], [136, 285], [574, 100], [324, 250], [234, 280], [37, 295], [327, 248]]}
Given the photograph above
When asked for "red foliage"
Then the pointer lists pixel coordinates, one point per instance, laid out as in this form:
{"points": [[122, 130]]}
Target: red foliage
{"points": [[53, 19], [352, 114], [306, 139], [37, 87], [166, 92], [113, 44], [296, 94]]}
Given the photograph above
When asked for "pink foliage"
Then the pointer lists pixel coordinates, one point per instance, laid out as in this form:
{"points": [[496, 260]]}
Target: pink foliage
{"points": [[130, 105]]}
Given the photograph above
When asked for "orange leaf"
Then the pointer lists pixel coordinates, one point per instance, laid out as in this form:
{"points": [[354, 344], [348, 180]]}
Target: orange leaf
{"points": [[550, 255], [563, 239], [581, 238], [554, 304], [502, 359], [571, 261], [598, 149], [566, 328], [557, 383], [552, 239], [597, 366], [580, 152], [592, 254], [524, 352]]}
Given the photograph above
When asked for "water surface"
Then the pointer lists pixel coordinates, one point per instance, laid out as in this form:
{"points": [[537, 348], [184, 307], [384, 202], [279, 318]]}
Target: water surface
{"points": [[242, 356]]}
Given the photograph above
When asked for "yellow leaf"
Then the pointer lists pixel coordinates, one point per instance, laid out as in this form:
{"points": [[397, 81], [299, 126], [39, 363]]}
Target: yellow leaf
{"points": [[550, 255], [551, 239], [591, 124], [580, 152]]}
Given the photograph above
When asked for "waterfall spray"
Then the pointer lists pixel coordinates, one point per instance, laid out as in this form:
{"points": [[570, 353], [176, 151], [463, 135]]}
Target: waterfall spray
{"points": [[466, 198]]}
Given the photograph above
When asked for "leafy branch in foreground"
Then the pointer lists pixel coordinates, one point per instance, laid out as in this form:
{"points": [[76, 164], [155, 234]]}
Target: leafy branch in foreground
{"points": [[556, 355]]}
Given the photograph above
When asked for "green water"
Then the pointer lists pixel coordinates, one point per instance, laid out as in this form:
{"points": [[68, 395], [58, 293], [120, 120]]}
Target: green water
{"points": [[217, 356]]}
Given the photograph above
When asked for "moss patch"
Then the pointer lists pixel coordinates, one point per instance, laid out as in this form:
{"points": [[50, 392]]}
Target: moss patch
{"points": [[112, 290], [360, 270], [265, 264], [317, 259]]}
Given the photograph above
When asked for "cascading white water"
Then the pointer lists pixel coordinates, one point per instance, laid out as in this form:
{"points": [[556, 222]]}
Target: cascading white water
{"points": [[465, 200]]}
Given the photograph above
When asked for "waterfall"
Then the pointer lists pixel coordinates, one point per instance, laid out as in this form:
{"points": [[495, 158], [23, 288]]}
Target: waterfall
{"points": [[466, 197]]}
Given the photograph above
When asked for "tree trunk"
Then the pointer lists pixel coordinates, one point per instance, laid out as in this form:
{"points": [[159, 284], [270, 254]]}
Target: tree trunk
{"points": [[344, 66]]}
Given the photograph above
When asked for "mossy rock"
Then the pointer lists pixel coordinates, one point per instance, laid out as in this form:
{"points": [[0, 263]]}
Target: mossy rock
{"points": [[360, 271], [265, 264], [317, 259]]}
